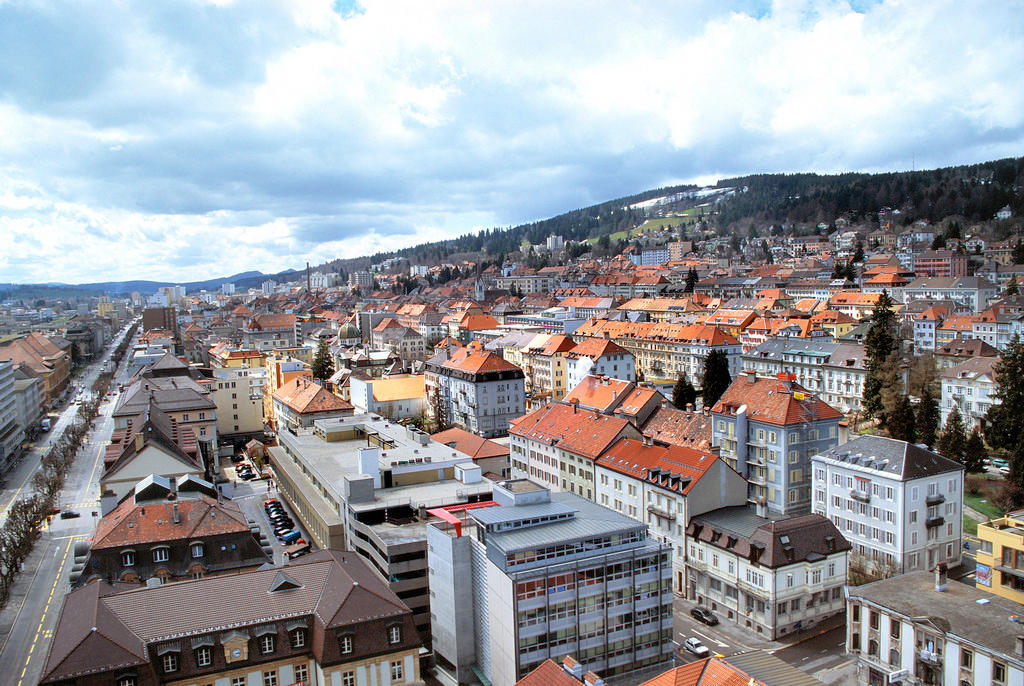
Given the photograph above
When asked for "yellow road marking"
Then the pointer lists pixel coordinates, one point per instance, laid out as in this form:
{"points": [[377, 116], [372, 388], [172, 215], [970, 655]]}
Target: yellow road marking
{"points": [[39, 629]]}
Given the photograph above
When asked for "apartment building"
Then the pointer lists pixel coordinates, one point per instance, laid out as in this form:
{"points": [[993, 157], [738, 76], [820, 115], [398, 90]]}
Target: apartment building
{"points": [[834, 370], [940, 263], [324, 618], [12, 431], [481, 391], [769, 576], [540, 575], [921, 628], [1000, 557], [972, 292], [544, 364], [557, 446], [898, 504], [664, 351], [301, 402], [768, 429], [396, 397], [597, 357], [969, 386], [265, 332], [238, 395], [663, 487], [42, 356], [362, 483]]}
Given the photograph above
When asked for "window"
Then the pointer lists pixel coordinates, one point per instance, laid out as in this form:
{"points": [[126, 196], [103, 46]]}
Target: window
{"points": [[998, 672], [873, 619], [298, 638], [161, 554], [238, 681], [816, 576], [348, 679], [126, 681], [396, 671], [301, 674], [197, 550], [894, 627], [128, 558], [270, 678], [267, 643], [966, 658], [345, 644], [394, 634], [170, 662]]}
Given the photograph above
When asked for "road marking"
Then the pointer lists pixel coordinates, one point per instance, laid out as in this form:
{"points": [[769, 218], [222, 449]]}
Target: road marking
{"points": [[42, 620], [711, 640]]}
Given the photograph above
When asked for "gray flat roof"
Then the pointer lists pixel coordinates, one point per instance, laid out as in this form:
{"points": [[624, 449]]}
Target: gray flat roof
{"points": [[496, 515], [955, 611]]}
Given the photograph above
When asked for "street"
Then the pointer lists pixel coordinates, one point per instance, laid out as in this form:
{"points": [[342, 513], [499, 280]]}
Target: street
{"points": [[27, 623]]}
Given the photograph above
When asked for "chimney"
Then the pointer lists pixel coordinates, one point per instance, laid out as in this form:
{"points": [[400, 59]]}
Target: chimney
{"points": [[751, 376], [139, 440], [177, 517], [572, 666], [940, 577], [647, 440]]}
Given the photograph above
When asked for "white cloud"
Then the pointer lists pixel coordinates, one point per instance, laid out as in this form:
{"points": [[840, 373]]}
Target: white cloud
{"points": [[183, 141]]}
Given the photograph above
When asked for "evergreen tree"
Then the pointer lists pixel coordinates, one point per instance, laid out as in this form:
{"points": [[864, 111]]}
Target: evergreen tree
{"points": [[879, 344], [1004, 422], [953, 441], [716, 377], [926, 422], [975, 453], [858, 255], [691, 280], [323, 364], [1011, 288], [901, 420], [684, 393], [1018, 253]]}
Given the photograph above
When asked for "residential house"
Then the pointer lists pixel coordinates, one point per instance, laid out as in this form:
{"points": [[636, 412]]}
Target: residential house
{"points": [[42, 356], [970, 386], [479, 390], [301, 401]]}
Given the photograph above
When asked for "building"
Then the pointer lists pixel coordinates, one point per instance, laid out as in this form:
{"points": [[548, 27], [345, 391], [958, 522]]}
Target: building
{"points": [[835, 370], [324, 618], [394, 397], [30, 396], [265, 332], [754, 668], [768, 429], [969, 386], [43, 357], [12, 431], [972, 292], [480, 391], [770, 576], [490, 456], [361, 280], [301, 401], [171, 530], [539, 575], [1000, 557], [663, 487], [920, 628], [899, 505], [941, 263], [544, 364], [238, 395], [362, 483], [165, 318], [599, 358]]}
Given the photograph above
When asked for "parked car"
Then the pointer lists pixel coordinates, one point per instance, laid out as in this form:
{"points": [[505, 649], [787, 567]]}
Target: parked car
{"points": [[70, 514], [237, 458], [702, 614], [291, 536], [693, 645]]}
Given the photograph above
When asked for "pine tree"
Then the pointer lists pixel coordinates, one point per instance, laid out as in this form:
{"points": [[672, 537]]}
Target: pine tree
{"points": [[953, 441], [926, 422], [1011, 288], [716, 377], [691, 281], [1004, 421], [323, 364], [975, 453], [879, 344], [683, 393], [901, 420], [858, 255]]}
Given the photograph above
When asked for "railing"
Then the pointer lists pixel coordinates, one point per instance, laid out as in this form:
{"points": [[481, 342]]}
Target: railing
{"points": [[935, 499]]}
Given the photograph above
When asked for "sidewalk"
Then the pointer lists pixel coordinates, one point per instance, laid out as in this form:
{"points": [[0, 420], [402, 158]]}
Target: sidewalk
{"points": [[19, 590]]}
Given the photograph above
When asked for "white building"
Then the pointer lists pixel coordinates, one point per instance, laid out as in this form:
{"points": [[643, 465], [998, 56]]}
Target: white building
{"points": [[896, 502], [11, 430], [970, 386], [238, 394], [598, 357], [544, 575], [919, 628], [481, 392], [769, 576], [396, 397]]}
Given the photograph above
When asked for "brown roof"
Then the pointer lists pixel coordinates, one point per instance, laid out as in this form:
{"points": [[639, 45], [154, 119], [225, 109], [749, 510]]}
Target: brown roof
{"points": [[711, 671], [303, 396], [595, 348], [475, 446], [583, 432], [150, 522], [548, 673], [476, 362], [633, 458], [262, 322], [679, 427], [774, 401]]}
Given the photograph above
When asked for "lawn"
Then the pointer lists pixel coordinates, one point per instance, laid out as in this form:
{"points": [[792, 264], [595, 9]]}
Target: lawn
{"points": [[983, 505], [980, 492], [970, 526]]}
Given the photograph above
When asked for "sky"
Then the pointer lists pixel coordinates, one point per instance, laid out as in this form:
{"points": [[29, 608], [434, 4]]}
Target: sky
{"points": [[181, 140]]}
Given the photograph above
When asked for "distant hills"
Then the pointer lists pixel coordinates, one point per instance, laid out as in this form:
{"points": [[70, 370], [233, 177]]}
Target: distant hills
{"points": [[242, 281]]}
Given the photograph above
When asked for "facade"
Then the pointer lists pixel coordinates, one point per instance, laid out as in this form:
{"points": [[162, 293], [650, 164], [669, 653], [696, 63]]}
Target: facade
{"points": [[921, 628], [1000, 557], [597, 357], [832, 369], [395, 397], [972, 292], [769, 576], [160, 318], [899, 505], [541, 575], [544, 364], [43, 357], [942, 263], [11, 429], [238, 395], [30, 396], [768, 429], [323, 618], [265, 332], [301, 401], [362, 483], [969, 386], [481, 391]]}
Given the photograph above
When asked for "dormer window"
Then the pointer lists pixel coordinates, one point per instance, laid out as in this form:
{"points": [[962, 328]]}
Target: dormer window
{"points": [[394, 634], [345, 644], [267, 644], [197, 549], [128, 558], [162, 554], [298, 638]]}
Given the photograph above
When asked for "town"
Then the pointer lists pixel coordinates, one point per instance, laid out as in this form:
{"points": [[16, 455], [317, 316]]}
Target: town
{"points": [[665, 454]]}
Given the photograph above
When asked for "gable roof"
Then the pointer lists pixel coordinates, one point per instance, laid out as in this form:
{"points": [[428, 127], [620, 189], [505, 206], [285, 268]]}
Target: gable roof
{"points": [[470, 444], [582, 432], [775, 401], [303, 396], [150, 522]]}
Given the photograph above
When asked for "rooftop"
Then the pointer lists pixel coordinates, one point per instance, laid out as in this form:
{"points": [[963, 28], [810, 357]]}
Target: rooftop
{"points": [[889, 456]]}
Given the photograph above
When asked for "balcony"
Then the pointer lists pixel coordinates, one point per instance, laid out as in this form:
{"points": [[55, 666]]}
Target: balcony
{"points": [[935, 499], [663, 514], [933, 522], [930, 657], [863, 496]]}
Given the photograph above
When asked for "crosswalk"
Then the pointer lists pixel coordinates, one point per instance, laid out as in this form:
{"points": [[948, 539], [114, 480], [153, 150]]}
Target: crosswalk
{"points": [[83, 505]]}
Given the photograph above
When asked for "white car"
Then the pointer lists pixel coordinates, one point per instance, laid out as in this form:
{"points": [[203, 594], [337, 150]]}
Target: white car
{"points": [[694, 646]]}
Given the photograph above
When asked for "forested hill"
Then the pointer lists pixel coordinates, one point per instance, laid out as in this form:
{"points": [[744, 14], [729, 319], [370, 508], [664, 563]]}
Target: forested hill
{"points": [[975, 192]]}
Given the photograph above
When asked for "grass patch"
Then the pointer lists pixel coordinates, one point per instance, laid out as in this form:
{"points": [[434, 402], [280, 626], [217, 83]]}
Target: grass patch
{"points": [[983, 505], [970, 526], [980, 495]]}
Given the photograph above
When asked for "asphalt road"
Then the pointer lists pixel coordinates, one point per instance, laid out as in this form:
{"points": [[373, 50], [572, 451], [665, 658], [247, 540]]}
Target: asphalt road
{"points": [[23, 654]]}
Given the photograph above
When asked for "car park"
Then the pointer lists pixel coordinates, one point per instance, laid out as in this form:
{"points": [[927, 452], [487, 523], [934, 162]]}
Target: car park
{"points": [[702, 614], [693, 645]]}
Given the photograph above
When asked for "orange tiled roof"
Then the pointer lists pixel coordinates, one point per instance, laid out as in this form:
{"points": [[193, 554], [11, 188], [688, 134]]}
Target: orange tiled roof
{"points": [[153, 522], [583, 432], [303, 396], [475, 362], [633, 458], [774, 401], [595, 392]]}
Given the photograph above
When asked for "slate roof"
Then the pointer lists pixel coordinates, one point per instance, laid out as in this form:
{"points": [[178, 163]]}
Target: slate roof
{"points": [[892, 457]]}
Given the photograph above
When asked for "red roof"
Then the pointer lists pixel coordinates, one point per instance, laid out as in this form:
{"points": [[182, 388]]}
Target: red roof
{"points": [[633, 458], [476, 362], [583, 432], [774, 401]]}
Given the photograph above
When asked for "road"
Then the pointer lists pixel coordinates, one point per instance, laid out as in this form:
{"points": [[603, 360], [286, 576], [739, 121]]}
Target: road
{"points": [[23, 651]]}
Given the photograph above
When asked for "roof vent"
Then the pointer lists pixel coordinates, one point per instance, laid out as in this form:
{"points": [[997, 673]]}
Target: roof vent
{"points": [[283, 582]]}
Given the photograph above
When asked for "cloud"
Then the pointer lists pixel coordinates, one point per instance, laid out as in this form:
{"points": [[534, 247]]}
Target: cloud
{"points": [[191, 139]]}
